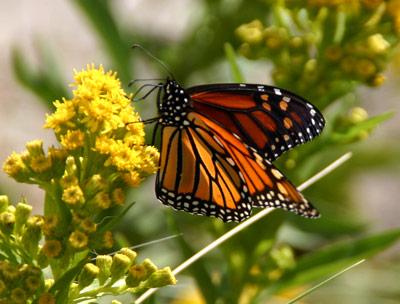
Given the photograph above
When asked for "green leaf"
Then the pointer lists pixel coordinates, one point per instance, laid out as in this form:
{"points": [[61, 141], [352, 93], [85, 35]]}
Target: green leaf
{"points": [[109, 221], [335, 257], [100, 16], [61, 287], [354, 132], [45, 82], [231, 56]]}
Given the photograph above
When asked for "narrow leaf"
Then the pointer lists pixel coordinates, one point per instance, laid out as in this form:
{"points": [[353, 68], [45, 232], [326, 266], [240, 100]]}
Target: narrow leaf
{"points": [[231, 56]]}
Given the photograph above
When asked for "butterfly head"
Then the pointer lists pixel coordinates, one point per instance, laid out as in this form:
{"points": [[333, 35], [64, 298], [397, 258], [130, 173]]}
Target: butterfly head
{"points": [[174, 104]]}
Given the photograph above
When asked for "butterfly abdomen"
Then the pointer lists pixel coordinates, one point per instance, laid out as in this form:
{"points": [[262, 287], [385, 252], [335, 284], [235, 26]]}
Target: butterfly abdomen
{"points": [[174, 105]]}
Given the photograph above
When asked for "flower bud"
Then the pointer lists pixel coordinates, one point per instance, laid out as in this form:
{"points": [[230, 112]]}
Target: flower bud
{"points": [[357, 114], [22, 213], [149, 266], [129, 253], [70, 166], [283, 257], [95, 184], [377, 44], [104, 263], [88, 274], [48, 283], [160, 278], [120, 264], [4, 202], [251, 33], [32, 234], [7, 222]]}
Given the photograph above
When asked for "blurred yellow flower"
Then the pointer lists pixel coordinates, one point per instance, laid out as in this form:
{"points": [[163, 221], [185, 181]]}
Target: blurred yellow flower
{"points": [[13, 164], [72, 195], [78, 240], [73, 139], [52, 248], [40, 163]]}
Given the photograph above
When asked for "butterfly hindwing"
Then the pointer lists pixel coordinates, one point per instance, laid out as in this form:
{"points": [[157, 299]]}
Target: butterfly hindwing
{"points": [[268, 119]]}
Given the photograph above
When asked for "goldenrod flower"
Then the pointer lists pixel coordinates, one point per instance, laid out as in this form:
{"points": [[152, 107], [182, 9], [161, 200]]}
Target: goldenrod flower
{"points": [[62, 117], [73, 139], [2, 286], [57, 154], [88, 226], [40, 164], [251, 33], [68, 181], [52, 248], [47, 298], [132, 179], [9, 272], [78, 240], [73, 195], [102, 200], [14, 165], [33, 282], [50, 224], [108, 240], [18, 295], [118, 196], [149, 162]]}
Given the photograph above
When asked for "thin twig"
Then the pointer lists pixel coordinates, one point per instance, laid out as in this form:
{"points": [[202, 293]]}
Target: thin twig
{"points": [[245, 224]]}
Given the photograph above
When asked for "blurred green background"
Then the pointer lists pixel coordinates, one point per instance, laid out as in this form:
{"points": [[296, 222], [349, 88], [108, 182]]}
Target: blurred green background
{"points": [[322, 50]]}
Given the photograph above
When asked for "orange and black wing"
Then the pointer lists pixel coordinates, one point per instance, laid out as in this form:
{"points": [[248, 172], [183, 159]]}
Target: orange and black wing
{"points": [[205, 169], [268, 119]]}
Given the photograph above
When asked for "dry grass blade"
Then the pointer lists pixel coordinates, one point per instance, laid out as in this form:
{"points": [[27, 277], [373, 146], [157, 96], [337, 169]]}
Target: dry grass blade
{"points": [[308, 291]]}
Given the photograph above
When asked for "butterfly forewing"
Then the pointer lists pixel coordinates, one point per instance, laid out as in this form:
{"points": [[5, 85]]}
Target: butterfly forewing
{"points": [[195, 175], [268, 119], [217, 144]]}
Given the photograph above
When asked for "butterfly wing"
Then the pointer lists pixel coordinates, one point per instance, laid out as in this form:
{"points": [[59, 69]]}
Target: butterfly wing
{"points": [[205, 169], [268, 119]]}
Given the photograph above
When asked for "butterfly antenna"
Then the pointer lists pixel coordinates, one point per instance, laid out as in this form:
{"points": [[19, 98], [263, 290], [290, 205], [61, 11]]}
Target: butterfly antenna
{"points": [[147, 52]]}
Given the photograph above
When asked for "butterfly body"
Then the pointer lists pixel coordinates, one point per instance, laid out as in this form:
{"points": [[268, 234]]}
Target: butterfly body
{"points": [[217, 145]]}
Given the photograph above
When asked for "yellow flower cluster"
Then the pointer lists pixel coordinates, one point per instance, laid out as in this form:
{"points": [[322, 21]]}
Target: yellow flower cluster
{"points": [[102, 152], [101, 113]]}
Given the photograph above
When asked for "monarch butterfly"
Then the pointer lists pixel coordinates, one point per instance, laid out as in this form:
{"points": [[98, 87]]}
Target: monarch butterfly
{"points": [[218, 142]]}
